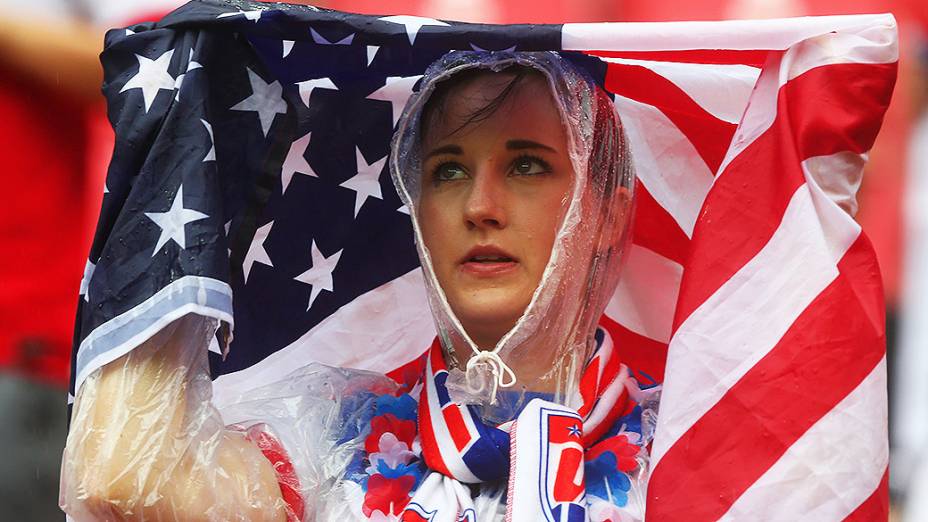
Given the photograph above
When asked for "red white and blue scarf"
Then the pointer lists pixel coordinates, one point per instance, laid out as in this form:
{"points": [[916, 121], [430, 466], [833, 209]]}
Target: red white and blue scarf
{"points": [[556, 461]]}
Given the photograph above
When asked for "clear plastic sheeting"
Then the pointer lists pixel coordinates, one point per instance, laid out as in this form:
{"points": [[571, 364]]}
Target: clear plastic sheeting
{"points": [[585, 261], [146, 443]]}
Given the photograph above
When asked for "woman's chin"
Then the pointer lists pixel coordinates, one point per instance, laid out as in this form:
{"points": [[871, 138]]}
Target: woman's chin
{"points": [[486, 319]]}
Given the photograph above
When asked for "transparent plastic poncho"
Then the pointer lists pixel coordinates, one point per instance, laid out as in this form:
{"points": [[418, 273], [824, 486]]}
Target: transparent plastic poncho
{"points": [[585, 261], [147, 443]]}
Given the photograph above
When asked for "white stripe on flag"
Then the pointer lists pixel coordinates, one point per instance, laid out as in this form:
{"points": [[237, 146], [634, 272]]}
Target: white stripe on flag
{"points": [[839, 462], [378, 331], [721, 90], [872, 45], [839, 176], [665, 161], [733, 34], [746, 317], [645, 299]]}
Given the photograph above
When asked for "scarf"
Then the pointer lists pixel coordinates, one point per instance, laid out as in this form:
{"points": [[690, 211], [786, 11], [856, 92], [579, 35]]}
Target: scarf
{"points": [[542, 456]]}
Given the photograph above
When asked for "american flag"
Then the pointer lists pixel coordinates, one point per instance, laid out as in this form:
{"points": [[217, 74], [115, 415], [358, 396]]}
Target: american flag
{"points": [[249, 183]]}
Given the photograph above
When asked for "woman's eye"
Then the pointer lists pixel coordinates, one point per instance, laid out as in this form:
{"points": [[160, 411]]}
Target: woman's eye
{"points": [[448, 172], [529, 166]]}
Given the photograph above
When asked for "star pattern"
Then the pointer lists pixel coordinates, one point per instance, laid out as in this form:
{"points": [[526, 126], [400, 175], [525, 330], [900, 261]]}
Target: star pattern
{"points": [[287, 46], [85, 280], [295, 162], [372, 53], [151, 77], [358, 70], [265, 99], [366, 183], [413, 24], [307, 87], [211, 155], [192, 65], [320, 274], [482, 50], [173, 221], [256, 252], [573, 431], [322, 40], [396, 90], [253, 15]]}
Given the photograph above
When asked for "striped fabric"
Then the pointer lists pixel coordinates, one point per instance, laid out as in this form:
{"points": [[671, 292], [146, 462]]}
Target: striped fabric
{"points": [[755, 280], [749, 291], [456, 443]]}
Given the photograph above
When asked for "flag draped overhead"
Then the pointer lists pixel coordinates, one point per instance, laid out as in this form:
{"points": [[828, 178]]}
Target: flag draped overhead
{"points": [[250, 184]]}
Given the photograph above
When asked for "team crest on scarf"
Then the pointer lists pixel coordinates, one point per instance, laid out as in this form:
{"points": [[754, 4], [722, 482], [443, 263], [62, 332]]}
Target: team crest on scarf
{"points": [[547, 478]]}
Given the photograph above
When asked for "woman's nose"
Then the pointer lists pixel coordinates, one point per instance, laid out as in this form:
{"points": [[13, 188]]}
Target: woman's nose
{"points": [[485, 206]]}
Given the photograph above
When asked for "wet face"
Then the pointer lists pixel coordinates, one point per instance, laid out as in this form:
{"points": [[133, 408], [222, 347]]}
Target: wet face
{"points": [[494, 190]]}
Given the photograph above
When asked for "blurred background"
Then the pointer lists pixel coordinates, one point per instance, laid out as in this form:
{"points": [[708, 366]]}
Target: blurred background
{"points": [[55, 145]]}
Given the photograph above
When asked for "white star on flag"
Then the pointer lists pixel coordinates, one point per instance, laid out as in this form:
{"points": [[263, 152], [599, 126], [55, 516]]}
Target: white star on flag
{"points": [[211, 155], [256, 252], [265, 99], [173, 221], [253, 15], [287, 46], [322, 40], [306, 88], [153, 76], [227, 226], [366, 183], [320, 274], [295, 162], [413, 24], [371, 53], [396, 90], [85, 281], [214, 345], [191, 66], [482, 50]]}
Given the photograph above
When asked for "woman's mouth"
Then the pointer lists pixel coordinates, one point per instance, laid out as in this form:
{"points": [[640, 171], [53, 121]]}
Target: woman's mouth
{"points": [[488, 261]]}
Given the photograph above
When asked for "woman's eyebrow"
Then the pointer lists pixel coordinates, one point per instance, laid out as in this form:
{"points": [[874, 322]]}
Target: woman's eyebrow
{"points": [[445, 149], [527, 144]]}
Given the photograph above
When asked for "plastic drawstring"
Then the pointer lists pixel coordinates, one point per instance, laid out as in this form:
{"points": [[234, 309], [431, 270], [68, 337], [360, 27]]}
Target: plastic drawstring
{"points": [[499, 368]]}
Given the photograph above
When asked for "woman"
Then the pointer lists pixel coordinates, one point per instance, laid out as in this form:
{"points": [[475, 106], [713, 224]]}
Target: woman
{"points": [[516, 173]]}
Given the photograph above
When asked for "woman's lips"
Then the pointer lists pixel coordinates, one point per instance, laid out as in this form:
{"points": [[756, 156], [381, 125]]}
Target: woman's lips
{"points": [[488, 268], [488, 261]]}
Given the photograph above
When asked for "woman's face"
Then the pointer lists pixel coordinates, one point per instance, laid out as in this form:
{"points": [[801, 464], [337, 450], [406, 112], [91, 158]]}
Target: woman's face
{"points": [[493, 195]]}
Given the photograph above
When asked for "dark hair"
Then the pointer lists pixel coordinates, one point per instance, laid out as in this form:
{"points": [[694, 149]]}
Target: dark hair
{"points": [[434, 109]]}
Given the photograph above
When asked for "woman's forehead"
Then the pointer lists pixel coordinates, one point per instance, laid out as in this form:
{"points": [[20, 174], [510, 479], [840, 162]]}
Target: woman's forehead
{"points": [[493, 101]]}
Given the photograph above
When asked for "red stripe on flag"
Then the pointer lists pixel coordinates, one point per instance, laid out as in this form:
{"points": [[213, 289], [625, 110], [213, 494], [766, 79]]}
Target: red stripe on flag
{"points": [[708, 134], [876, 507], [752, 57], [656, 229], [643, 356], [827, 352], [830, 119], [747, 202]]}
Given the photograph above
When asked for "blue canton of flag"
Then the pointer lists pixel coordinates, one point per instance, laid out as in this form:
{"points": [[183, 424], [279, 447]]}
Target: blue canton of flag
{"points": [[251, 161]]}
